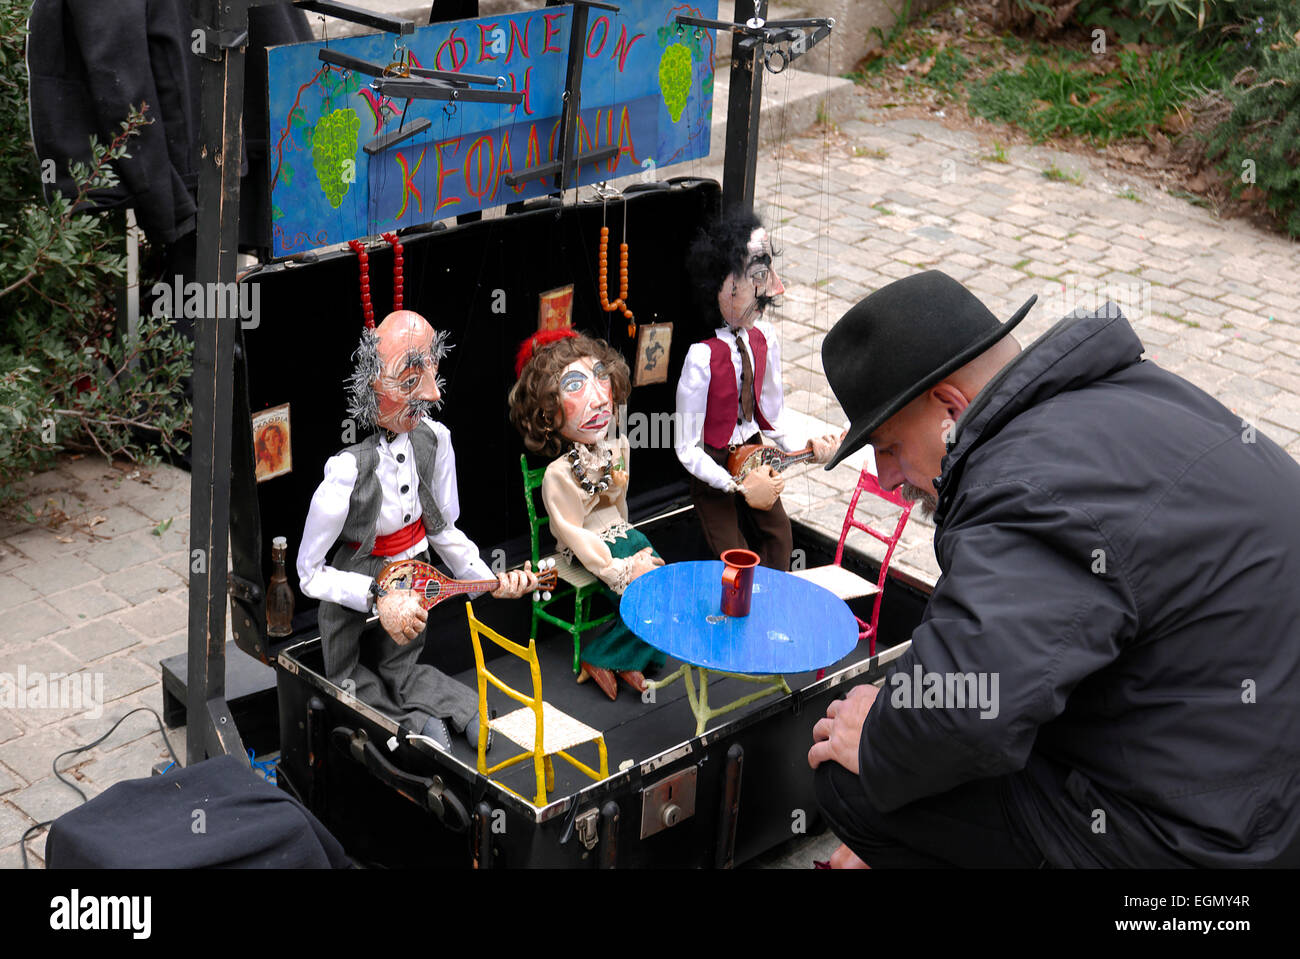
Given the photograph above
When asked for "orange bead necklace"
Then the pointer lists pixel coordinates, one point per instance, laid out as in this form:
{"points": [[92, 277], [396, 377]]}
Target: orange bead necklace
{"points": [[609, 306]]}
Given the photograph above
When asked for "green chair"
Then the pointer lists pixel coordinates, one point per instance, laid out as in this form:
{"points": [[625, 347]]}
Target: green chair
{"points": [[580, 584]]}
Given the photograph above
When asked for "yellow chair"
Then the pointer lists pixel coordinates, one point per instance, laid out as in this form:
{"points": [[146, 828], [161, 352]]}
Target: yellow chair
{"points": [[538, 726]]}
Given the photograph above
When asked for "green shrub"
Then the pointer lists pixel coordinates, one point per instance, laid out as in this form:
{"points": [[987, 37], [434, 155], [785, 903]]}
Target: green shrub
{"points": [[68, 379], [1259, 142]]}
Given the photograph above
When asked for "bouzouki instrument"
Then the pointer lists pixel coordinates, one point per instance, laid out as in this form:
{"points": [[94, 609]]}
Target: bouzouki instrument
{"points": [[753, 455], [433, 587]]}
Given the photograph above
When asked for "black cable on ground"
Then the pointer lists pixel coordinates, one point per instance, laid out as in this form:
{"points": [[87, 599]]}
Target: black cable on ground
{"points": [[22, 845]]}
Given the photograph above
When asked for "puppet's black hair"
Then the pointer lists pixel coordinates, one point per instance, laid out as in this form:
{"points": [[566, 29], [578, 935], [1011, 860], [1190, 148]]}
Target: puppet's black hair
{"points": [[717, 251]]}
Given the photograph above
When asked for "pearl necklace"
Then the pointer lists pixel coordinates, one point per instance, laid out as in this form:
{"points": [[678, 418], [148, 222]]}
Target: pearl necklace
{"points": [[580, 471]]}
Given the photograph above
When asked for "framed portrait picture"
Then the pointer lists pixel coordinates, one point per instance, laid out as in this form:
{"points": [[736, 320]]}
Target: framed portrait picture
{"points": [[653, 341], [272, 449], [555, 309]]}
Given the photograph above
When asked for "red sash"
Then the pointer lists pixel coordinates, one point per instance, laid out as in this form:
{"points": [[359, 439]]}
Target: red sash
{"points": [[399, 542]]}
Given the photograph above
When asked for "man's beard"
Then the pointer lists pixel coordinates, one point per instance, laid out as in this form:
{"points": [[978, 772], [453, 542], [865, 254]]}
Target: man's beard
{"points": [[926, 498]]}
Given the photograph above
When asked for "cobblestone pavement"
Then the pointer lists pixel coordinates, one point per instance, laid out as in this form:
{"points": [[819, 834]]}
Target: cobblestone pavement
{"points": [[1213, 301]]}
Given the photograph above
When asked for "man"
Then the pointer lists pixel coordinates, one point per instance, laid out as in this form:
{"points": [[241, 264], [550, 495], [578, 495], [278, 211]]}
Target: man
{"points": [[1119, 555], [393, 496], [730, 392]]}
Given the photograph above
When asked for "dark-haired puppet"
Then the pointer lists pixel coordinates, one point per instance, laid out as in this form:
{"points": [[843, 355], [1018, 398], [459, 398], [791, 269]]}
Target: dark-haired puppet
{"points": [[730, 391], [569, 386], [393, 496]]}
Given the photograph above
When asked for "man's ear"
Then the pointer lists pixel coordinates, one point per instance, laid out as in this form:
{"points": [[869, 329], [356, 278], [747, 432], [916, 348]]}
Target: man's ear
{"points": [[950, 398]]}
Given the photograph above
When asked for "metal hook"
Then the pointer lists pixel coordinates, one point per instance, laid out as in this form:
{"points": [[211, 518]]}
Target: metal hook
{"points": [[773, 54]]}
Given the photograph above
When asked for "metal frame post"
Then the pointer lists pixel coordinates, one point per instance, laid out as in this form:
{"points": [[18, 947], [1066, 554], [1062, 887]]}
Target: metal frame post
{"points": [[744, 103], [210, 727]]}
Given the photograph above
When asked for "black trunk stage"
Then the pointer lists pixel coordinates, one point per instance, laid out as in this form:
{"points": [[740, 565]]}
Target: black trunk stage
{"points": [[737, 791]]}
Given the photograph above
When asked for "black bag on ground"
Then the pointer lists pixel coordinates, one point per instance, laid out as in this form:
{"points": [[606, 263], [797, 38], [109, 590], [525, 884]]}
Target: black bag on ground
{"points": [[217, 813]]}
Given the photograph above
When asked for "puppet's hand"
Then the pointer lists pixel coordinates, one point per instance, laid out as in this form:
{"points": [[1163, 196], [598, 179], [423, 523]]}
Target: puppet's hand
{"points": [[762, 487], [824, 447], [516, 583], [642, 562], [837, 737], [401, 615]]}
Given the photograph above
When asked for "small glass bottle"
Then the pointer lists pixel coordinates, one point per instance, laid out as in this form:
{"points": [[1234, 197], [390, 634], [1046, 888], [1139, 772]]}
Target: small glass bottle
{"points": [[279, 594]]}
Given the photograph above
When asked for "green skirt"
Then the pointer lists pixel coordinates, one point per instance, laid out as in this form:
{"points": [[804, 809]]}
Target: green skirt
{"points": [[617, 647]]}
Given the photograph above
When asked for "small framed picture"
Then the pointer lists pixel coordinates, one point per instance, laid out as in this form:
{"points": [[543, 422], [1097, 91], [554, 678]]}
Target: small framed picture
{"points": [[653, 341], [272, 450], [555, 309]]}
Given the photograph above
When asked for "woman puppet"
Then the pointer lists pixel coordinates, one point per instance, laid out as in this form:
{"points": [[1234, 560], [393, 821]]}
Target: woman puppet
{"points": [[569, 386]]}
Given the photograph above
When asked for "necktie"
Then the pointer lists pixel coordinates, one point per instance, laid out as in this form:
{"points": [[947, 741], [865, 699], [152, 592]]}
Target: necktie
{"points": [[746, 384]]}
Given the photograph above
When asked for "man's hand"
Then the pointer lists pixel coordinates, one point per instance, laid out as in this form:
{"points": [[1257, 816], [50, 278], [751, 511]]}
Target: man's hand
{"points": [[516, 583], [401, 615], [837, 736], [824, 447], [642, 562], [762, 487]]}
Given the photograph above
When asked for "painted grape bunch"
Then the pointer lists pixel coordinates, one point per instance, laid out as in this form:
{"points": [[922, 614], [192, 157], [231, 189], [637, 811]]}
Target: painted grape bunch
{"points": [[333, 151], [675, 78]]}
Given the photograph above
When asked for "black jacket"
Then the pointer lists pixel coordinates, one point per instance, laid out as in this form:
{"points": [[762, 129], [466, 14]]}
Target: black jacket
{"points": [[89, 62], [1124, 553]]}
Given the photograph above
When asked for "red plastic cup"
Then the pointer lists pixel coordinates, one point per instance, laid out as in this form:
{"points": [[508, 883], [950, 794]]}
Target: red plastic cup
{"points": [[738, 581]]}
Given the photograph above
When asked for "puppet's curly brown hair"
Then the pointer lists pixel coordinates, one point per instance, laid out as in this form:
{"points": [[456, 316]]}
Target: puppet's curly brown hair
{"points": [[535, 399]]}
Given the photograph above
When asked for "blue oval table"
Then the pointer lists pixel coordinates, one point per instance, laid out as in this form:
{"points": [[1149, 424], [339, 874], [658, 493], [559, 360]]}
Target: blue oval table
{"points": [[793, 626]]}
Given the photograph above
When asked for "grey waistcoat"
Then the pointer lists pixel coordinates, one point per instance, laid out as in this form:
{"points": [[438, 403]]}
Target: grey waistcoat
{"points": [[367, 497]]}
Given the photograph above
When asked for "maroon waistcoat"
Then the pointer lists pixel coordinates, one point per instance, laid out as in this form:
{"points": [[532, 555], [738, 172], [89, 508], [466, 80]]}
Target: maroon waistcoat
{"points": [[724, 392]]}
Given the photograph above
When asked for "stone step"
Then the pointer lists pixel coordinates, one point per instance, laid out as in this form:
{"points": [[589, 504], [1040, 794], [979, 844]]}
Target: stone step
{"points": [[792, 102]]}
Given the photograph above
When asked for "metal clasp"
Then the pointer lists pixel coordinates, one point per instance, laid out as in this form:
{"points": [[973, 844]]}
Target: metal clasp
{"points": [[586, 825]]}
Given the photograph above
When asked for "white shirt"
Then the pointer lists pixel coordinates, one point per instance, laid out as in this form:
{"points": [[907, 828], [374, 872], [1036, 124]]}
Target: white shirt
{"points": [[693, 401], [329, 510]]}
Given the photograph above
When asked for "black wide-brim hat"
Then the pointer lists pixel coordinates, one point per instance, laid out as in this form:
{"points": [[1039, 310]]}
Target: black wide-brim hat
{"points": [[900, 341]]}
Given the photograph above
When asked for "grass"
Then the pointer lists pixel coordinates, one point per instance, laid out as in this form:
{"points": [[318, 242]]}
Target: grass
{"points": [[824, 118], [880, 207], [1191, 198], [1020, 265], [999, 154], [1063, 95], [1057, 90], [879, 153], [1054, 172], [1129, 194]]}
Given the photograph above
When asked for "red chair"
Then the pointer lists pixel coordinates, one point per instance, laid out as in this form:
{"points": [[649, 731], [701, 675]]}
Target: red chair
{"points": [[847, 585]]}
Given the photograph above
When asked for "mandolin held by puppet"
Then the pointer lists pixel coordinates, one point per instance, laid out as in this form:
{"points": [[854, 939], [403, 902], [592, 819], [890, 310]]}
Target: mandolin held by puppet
{"points": [[390, 498]]}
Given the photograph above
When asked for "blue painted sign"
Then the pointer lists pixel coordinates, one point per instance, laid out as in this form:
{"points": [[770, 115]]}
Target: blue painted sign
{"points": [[647, 89]]}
